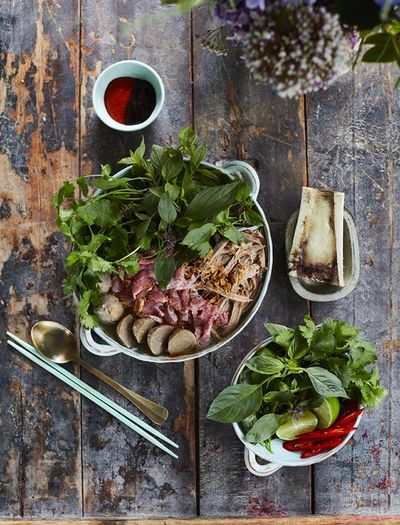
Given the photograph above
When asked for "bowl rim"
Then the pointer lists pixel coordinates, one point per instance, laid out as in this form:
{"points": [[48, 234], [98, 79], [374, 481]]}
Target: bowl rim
{"points": [[118, 348], [98, 95], [261, 451]]}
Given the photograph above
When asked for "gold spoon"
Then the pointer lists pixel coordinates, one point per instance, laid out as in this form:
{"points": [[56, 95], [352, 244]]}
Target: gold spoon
{"points": [[58, 344]]}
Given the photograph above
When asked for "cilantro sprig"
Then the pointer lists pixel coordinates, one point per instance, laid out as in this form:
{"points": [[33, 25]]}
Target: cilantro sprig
{"points": [[170, 203]]}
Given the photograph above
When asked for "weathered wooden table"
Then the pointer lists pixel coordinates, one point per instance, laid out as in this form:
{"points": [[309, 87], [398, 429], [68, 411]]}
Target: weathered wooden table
{"points": [[60, 455]]}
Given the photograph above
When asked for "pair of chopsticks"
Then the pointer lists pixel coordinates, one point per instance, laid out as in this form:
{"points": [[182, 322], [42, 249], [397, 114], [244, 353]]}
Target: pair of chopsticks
{"points": [[133, 422]]}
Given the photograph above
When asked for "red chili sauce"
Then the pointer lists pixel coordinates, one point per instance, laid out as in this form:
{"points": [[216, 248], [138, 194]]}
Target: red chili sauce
{"points": [[130, 100]]}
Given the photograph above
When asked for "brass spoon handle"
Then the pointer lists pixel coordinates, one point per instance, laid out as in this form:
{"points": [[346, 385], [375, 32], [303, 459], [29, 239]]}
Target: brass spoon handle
{"points": [[157, 413]]}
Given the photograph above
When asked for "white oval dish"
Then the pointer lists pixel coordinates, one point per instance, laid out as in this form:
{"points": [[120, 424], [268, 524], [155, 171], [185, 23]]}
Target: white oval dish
{"points": [[319, 292], [107, 334], [280, 457], [127, 68]]}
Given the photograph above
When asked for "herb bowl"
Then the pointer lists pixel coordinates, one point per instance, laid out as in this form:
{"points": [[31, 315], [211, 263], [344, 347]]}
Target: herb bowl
{"points": [[111, 346], [279, 456]]}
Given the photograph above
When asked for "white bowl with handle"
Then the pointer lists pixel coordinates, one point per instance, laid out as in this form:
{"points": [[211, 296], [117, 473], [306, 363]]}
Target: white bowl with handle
{"points": [[110, 344], [280, 457]]}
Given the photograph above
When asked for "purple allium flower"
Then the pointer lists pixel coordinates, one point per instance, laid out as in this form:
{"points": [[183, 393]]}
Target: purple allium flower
{"points": [[298, 48], [235, 15]]}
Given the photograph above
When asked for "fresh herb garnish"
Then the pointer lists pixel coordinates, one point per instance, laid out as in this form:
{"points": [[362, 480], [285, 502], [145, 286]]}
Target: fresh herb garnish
{"points": [[295, 372], [170, 204]]}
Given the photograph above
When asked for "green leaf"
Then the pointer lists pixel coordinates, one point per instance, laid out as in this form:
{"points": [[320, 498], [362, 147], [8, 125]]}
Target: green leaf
{"points": [[197, 156], [166, 209], [279, 397], [210, 201], [265, 365], [83, 185], [264, 428], [362, 354], [325, 383], [243, 192], [158, 156], [172, 167], [282, 336], [198, 236], [254, 218], [307, 330], [383, 48], [323, 341], [72, 258], [173, 189], [99, 265], [110, 184], [371, 391], [298, 347], [66, 191], [187, 136], [164, 269], [235, 403], [87, 320], [102, 212], [233, 234], [136, 157], [130, 265]]}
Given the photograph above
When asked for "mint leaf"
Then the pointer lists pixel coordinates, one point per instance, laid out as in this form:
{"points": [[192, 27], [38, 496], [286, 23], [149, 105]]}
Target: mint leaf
{"points": [[235, 403], [325, 383]]}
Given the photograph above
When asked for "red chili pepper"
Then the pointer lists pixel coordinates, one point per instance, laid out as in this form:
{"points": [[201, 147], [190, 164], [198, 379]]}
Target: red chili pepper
{"points": [[349, 418], [332, 443], [329, 432], [298, 444]]}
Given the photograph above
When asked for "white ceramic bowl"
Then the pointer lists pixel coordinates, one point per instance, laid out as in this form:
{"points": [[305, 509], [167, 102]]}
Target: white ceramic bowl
{"points": [[112, 346], [127, 68], [279, 457]]}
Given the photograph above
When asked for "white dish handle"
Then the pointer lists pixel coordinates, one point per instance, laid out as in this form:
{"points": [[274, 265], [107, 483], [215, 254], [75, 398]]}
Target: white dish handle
{"points": [[246, 170], [95, 348], [250, 460]]}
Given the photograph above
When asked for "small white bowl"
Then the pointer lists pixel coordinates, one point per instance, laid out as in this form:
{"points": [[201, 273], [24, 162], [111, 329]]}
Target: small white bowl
{"points": [[279, 457], [127, 68]]}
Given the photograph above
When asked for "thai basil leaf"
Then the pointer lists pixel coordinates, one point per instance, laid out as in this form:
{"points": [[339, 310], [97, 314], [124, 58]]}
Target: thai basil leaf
{"points": [[236, 403], [325, 383], [164, 269], [264, 428], [210, 201], [277, 396], [166, 208], [264, 364]]}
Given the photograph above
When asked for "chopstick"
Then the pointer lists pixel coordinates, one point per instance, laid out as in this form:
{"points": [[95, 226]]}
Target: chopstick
{"points": [[133, 422]]}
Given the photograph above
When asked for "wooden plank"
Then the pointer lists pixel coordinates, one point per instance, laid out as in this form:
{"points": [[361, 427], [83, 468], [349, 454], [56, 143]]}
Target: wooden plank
{"points": [[353, 147], [40, 419], [294, 520], [242, 120], [123, 474]]}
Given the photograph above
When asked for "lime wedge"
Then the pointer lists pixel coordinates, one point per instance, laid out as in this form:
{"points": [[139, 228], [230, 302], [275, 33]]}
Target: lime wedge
{"points": [[328, 412], [304, 423]]}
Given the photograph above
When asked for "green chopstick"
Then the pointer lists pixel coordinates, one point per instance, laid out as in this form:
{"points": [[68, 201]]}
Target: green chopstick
{"points": [[104, 402]]}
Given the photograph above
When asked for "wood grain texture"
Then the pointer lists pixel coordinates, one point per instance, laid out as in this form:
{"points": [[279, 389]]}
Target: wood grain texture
{"points": [[123, 474], [293, 520], [240, 120], [39, 423], [353, 147]]}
